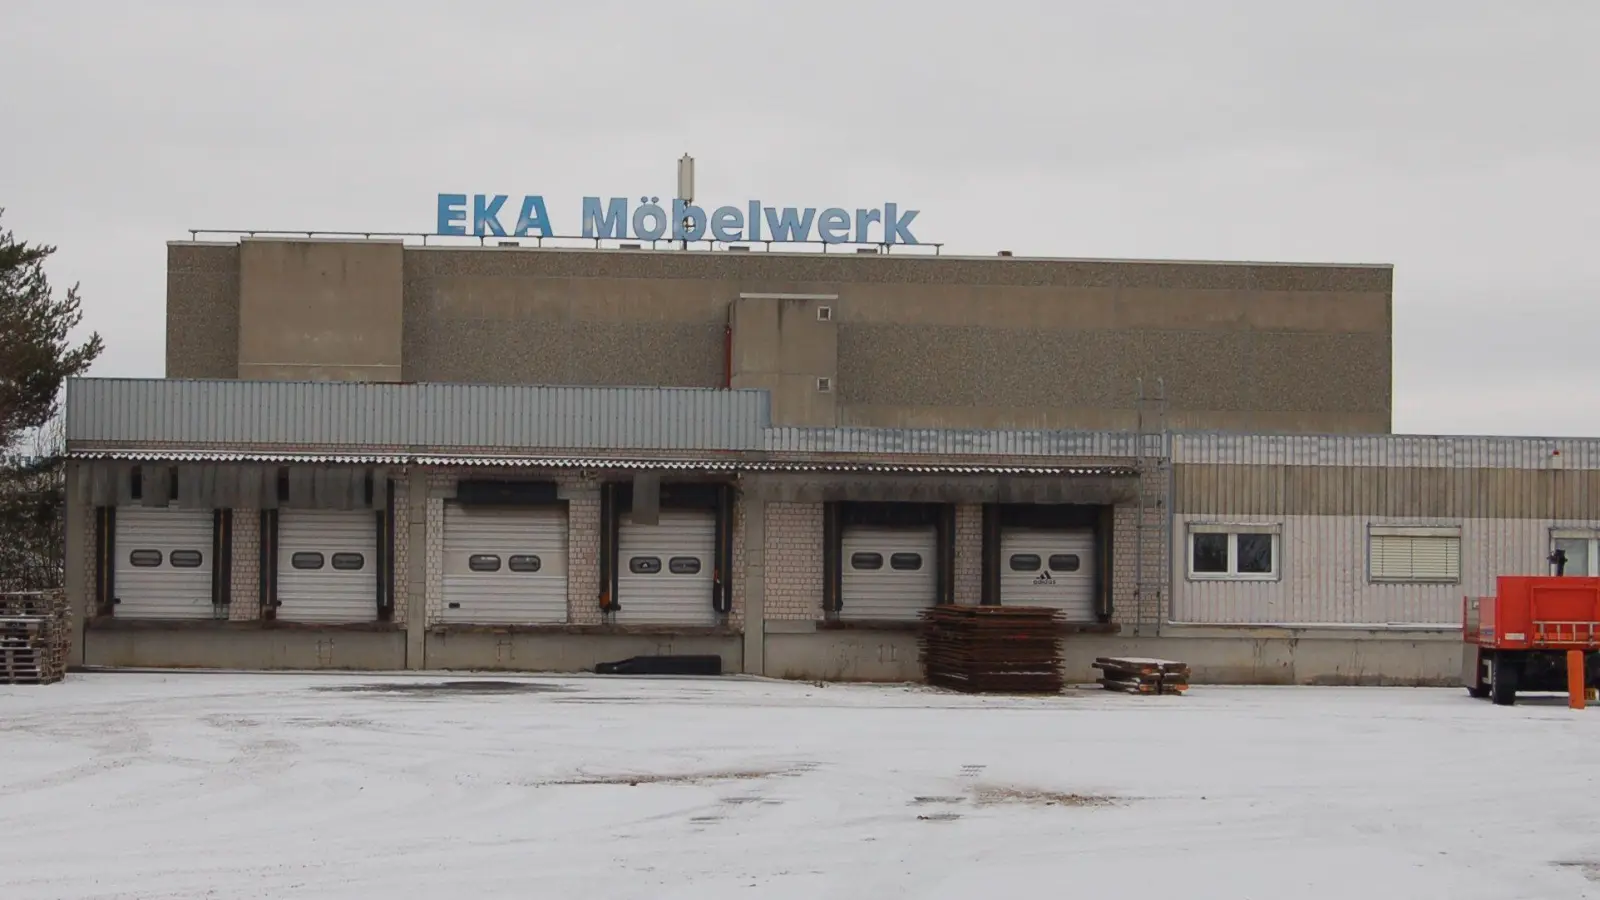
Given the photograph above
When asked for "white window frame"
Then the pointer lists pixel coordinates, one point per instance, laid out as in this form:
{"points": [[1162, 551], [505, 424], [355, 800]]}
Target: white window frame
{"points": [[1414, 532], [1592, 535], [1233, 530]]}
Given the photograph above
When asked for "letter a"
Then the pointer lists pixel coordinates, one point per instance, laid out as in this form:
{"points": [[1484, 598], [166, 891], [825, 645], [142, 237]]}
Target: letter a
{"points": [[533, 216]]}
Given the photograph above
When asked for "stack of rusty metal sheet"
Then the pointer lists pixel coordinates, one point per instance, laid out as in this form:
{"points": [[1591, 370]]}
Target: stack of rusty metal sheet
{"points": [[993, 649], [1142, 675], [34, 632]]}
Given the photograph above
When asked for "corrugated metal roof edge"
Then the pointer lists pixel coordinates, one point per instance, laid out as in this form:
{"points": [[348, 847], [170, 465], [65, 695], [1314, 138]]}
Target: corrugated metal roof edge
{"points": [[578, 462]]}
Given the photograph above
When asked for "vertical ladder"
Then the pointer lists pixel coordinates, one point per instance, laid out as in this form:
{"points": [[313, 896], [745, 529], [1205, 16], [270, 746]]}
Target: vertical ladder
{"points": [[1152, 538]]}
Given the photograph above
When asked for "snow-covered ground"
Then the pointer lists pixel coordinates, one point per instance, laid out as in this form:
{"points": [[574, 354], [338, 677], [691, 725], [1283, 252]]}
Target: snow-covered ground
{"points": [[155, 786]]}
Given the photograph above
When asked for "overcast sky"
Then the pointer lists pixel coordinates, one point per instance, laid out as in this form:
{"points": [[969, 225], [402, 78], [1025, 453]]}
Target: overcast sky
{"points": [[1458, 140]]}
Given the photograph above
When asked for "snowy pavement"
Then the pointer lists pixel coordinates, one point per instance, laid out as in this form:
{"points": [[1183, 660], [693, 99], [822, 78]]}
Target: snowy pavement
{"points": [[154, 786]]}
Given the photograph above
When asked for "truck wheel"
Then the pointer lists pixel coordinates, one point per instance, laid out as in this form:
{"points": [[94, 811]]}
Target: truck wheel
{"points": [[1503, 683]]}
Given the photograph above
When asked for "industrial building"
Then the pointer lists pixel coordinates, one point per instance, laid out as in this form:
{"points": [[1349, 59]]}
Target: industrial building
{"points": [[369, 454]]}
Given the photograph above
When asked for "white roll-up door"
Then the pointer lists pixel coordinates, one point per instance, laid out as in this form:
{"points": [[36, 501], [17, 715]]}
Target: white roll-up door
{"points": [[1049, 567], [327, 565], [665, 571], [163, 567], [887, 572], [505, 565]]}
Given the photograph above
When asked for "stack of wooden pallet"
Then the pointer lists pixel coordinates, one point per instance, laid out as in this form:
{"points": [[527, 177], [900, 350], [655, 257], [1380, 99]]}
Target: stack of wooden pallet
{"points": [[1141, 675], [993, 649], [34, 631]]}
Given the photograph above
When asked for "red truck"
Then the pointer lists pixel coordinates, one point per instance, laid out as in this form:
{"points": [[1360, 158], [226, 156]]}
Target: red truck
{"points": [[1518, 640]]}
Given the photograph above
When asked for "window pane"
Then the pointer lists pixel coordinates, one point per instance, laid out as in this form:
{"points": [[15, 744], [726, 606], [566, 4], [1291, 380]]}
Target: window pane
{"points": [[145, 559], [306, 560], [1064, 562], [184, 559], [523, 562], [1211, 554], [1025, 562], [1255, 554], [644, 565], [483, 562], [1577, 550], [349, 562], [683, 565], [905, 562], [866, 561]]}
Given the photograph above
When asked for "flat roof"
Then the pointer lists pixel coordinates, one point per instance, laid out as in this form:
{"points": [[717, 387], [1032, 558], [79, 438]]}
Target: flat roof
{"points": [[509, 244]]}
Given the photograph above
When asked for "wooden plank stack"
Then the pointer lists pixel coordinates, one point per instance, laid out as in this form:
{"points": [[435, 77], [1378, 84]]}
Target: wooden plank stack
{"points": [[34, 632], [993, 649], [1141, 675]]}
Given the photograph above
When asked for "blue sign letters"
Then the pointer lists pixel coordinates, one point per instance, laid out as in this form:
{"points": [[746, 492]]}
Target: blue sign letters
{"points": [[651, 221]]}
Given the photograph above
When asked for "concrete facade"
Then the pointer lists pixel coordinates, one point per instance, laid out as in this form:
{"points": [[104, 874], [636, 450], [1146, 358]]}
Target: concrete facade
{"points": [[924, 342]]}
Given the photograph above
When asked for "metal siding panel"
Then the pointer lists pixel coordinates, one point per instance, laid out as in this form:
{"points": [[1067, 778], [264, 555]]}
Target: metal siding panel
{"points": [[664, 597], [505, 596], [327, 594], [1325, 582], [955, 442], [887, 593], [1401, 451], [1071, 592], [350, 414], [346, 414], [163, 591]]}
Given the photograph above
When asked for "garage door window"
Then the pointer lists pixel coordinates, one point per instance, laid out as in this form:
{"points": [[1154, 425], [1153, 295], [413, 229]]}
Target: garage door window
{"points": [[349, 562], [644, 565], [306, 560], [905, 562], [866, 562], [145, 559], [683, 565], [483, 562], [1064, 562], [1239, 553], [184, 559], [1025, 562], [523, 562]]}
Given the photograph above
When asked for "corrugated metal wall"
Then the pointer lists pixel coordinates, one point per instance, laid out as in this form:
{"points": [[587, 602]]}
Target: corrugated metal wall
{"points": [[1392, 450], [1504, 493], [1323, 573], [1278, 490], [950, 442], [412, 415], [459, 415]]}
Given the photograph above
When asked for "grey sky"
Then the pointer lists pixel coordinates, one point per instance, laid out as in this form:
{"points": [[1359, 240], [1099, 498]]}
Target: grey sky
{"points": [[1457, 140]]}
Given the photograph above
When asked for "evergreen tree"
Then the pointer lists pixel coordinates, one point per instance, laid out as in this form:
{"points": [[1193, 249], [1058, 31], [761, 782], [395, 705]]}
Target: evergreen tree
{"points": [[36, 357]]}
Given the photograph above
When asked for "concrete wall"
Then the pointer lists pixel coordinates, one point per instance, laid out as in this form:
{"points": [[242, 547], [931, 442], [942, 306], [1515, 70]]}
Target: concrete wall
{"points": [[912, 341], [1215, 656], [788, 345], [320, 310], [245, 646], [202, 310], [557, 652]]}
